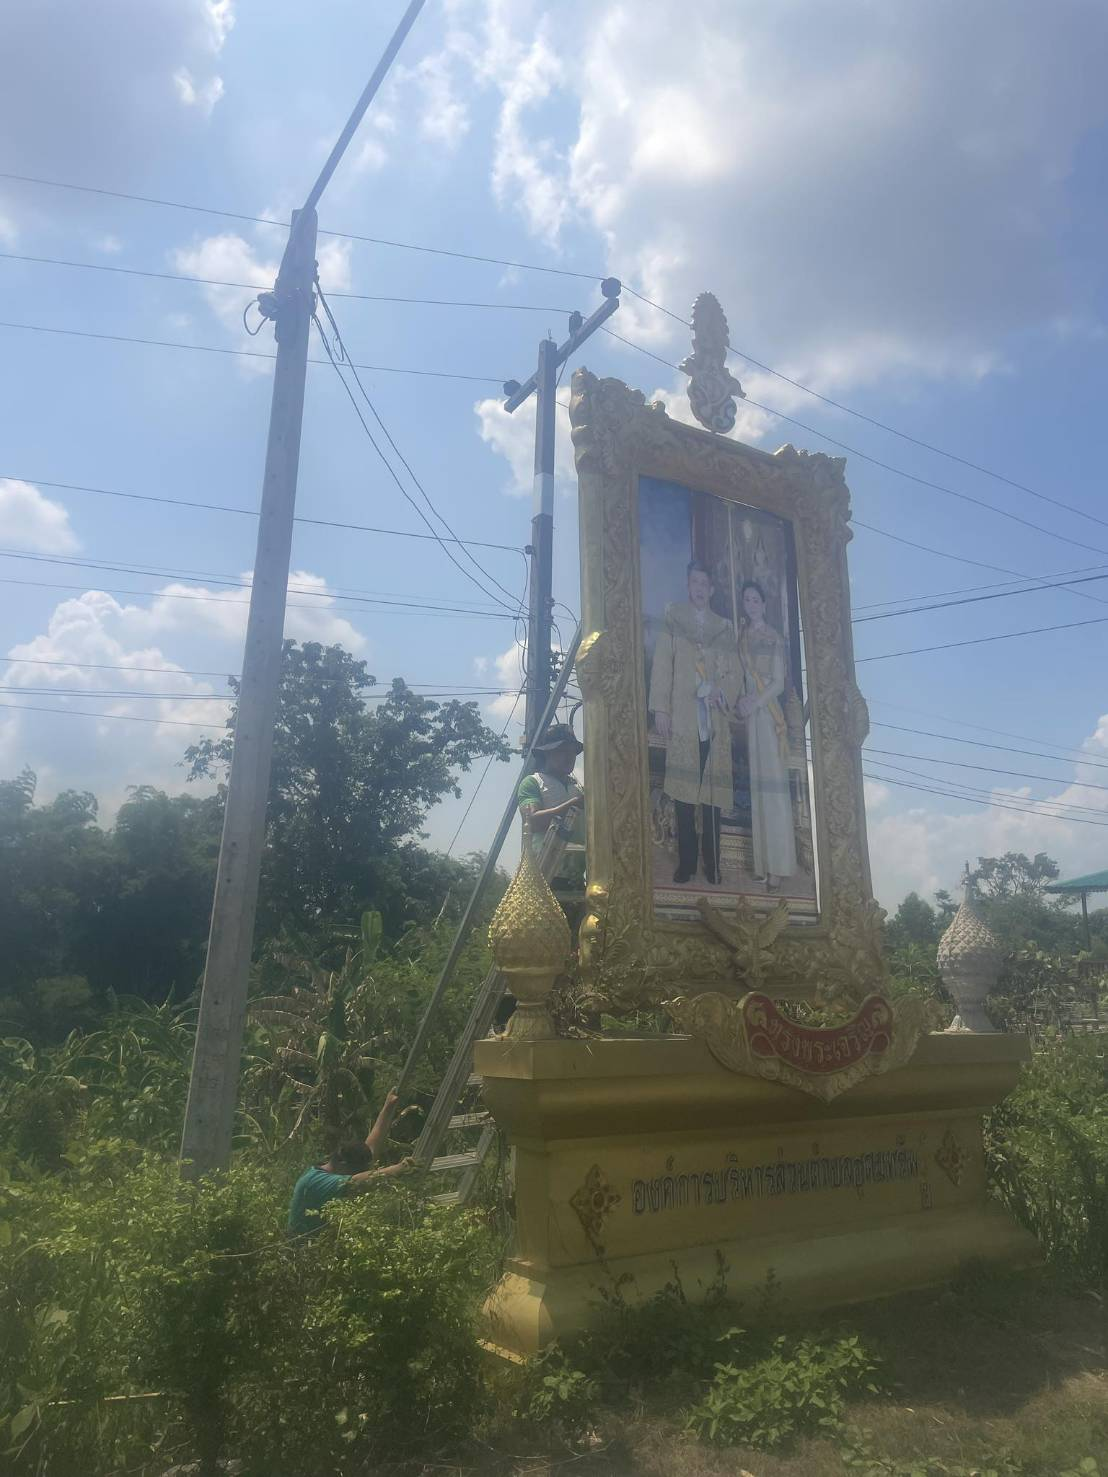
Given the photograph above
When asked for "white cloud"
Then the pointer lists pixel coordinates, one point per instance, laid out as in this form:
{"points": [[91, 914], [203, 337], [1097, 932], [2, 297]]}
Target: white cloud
{"points": [[203, 96], [86, 83], [28, 520], [115, 751], [110, 245], [513, 437], [221, 612], [103, 646], [504, 670], [228, 257], [921, 848], [862, 204]]}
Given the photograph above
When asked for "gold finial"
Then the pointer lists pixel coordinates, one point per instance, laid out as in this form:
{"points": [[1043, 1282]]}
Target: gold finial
{"points": [[530, 941], [712, 386]]}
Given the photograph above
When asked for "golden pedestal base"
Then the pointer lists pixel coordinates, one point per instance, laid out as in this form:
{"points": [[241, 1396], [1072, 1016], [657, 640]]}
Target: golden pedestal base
{"points": [[638, 1156]]}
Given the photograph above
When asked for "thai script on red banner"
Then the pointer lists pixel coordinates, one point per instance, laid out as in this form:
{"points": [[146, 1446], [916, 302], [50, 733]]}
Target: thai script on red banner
{"points": [[817, 1049]]}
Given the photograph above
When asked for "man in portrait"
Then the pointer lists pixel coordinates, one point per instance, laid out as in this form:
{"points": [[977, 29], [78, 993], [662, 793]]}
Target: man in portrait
{"points": [[694, 682]]}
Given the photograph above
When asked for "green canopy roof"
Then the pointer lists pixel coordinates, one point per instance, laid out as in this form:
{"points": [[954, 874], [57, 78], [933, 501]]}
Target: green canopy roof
{"points": [[1094, 882]]}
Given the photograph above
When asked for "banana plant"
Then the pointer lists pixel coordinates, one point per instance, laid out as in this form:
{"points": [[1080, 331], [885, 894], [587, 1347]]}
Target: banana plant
{"points": [[321, 1057]]}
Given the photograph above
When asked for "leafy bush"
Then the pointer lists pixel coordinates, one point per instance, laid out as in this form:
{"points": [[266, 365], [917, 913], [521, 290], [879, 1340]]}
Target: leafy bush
{"points": [[800, 1387], [556, 1396], [1048, 1154], [143, 1320], [658, 1337]]}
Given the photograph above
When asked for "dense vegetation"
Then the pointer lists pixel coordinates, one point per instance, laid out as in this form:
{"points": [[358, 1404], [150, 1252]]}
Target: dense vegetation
{"points": [[149, 1325]]}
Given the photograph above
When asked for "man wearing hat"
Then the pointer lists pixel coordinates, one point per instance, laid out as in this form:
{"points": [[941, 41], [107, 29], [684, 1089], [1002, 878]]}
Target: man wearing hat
{"points": [[551, 795]]}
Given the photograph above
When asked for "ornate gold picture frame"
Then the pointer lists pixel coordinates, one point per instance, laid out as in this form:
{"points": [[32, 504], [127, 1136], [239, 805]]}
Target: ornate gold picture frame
{"points": [[630, 954]]}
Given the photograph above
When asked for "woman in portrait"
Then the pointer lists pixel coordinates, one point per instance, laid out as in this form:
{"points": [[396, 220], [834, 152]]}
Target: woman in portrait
{"points": [[762, 653]]}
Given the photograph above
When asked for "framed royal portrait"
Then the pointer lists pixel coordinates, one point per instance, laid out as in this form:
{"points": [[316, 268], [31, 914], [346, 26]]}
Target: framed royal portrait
{"points": [[723, 723]]}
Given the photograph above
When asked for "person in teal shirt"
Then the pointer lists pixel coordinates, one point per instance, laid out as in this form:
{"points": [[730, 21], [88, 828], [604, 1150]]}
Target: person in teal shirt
{"points": [[348, 1171]]}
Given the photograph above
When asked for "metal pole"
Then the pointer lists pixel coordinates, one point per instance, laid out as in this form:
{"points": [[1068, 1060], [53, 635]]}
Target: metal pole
{"points": [[446, 974], [213, 1086], [387, 59], [1085, 921], [540, 614]]}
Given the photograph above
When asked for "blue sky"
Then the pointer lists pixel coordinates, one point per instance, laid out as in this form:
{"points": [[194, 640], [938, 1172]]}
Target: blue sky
{"points": [[901, 207]]}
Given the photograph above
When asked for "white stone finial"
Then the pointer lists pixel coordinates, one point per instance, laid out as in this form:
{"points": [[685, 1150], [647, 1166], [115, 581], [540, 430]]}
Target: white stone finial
{"points": [[970, 957]]}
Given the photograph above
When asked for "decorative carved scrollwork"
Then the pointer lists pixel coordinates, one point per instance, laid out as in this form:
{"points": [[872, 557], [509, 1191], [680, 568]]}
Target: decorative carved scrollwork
{"points": [[630, 954]]}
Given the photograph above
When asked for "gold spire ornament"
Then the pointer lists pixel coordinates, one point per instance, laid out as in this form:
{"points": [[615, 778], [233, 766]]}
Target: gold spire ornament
{"points": [[712, 386], [530, 941]]}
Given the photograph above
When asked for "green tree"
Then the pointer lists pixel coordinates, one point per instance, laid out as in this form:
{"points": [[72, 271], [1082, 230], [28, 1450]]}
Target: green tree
{"points": [[350, 788], [52, 862], [914, 922], [1013, 875]]}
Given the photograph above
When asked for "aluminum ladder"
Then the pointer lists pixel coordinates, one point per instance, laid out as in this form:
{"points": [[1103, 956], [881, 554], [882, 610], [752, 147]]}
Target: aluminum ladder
{"points": [[457, 1111]]}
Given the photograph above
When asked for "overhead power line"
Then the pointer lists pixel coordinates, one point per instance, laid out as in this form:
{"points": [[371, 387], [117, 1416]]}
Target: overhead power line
{"points": [[1050, 779], [980, 743], [114, 717], [437, 612], [584, 277], [158, 343], [975, 599], [204, 697], [963, 559], [869, 419], [1061, 808], [392, 470], [204, 576], [965, 497], [1039, 582], [40, 661], [360, 297], [884, 656], [177, 502], [1076, 820], [261, 220]]}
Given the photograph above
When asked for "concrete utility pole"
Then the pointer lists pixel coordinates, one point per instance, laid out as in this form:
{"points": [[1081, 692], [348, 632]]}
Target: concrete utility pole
{"points": [[213, 1085], [543, 384]]}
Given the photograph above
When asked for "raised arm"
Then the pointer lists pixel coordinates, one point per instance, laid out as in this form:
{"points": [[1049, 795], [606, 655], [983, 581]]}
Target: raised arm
{"points": [[378, 1135]]}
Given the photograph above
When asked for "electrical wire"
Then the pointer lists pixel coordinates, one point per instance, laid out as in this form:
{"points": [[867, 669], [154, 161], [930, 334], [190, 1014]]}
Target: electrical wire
{"points": [[979, 743], [580, 276], [1052, 779], [396, 450], [972, 589], [1061, 808], [872, 420], [484, 775], [965, 497], [157, 343], [114, 717], [176, 502], [1097, 620], [975, 599], [438, 612], [205, 697], [393, 473], [261, 220], [361, 297], [1075, 820], [197, 576]]}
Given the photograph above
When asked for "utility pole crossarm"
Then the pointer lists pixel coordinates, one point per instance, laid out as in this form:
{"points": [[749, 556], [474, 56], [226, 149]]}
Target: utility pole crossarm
{"points": [[543, 385]]}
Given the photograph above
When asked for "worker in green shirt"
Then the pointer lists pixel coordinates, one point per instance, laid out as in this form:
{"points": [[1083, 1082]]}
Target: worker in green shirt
{"points": [[551, 796], [348, 1171]]}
